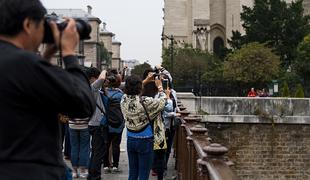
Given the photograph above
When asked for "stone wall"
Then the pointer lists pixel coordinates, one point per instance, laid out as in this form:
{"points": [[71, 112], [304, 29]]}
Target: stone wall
{"points": [[90, 52], [273, 106], [267, 138], [266, 151]]}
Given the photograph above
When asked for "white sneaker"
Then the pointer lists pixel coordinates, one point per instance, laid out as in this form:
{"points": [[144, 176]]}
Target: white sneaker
{"points": [[106, 169], [84, 175], [115, 170], [74, 175]]}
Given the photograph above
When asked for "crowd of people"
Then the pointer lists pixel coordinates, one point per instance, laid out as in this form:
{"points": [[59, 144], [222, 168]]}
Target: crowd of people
{"points": [[50, 113], [148, 110]]}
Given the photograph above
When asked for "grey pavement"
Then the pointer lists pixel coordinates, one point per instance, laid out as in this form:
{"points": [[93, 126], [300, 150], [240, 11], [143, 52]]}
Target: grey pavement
{"points": [[123, 166]]}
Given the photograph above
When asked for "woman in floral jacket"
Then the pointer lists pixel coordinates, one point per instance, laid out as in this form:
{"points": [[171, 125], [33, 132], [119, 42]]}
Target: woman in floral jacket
{"points": [[138, 112]]}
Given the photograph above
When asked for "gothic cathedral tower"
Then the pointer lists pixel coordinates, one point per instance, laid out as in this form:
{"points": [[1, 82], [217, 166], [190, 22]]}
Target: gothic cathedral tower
{"points": [[206, 24]]}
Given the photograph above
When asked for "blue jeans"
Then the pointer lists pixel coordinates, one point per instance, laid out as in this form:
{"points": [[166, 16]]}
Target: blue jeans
{"points": [[79, 147], [140, 157]]}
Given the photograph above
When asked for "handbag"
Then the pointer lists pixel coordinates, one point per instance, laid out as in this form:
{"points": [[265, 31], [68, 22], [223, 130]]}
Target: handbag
{"points": [[158, 128]]}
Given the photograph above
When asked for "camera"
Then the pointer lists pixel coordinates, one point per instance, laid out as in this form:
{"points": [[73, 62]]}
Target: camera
{"points": [[156, 73], [111, 79], [82, 26]]}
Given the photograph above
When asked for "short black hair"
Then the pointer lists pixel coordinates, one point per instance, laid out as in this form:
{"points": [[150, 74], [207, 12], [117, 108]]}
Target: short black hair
{"points": [[133, 85], [146, 72], [91, 72], [150, 89], [14, 12]]}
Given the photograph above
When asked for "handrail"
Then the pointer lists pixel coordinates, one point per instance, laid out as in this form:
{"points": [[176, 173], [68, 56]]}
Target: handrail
{"points": [[203, 160]]}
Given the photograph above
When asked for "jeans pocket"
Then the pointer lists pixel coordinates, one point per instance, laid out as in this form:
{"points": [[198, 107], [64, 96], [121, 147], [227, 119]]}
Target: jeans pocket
{"points": [[146, 145]]}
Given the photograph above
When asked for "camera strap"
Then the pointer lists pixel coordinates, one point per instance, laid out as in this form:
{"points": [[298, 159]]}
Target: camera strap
{"points": [[60, 49]]}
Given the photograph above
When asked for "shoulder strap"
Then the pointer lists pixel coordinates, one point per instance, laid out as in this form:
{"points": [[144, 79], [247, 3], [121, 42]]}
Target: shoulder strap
{"points": [[100, 108], [147, 114]]}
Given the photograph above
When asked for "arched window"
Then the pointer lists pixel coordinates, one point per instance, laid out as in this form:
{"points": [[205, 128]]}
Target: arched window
{"points": [[218, 44]]}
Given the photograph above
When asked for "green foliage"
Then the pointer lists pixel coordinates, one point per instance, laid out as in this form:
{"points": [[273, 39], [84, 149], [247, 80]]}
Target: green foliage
{"points": [[299, 92], [104, 56], [302, 63], [237, 40], [285, 92], [191, 66], [276, 23], [139, 69], [253, 63]]}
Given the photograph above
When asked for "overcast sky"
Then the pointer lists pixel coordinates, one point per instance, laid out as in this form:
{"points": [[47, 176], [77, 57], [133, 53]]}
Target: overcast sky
{"points": [[137, 24]]}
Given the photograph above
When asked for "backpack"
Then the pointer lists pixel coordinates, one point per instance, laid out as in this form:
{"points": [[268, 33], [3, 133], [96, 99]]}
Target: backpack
{"points": [[113, 115]]}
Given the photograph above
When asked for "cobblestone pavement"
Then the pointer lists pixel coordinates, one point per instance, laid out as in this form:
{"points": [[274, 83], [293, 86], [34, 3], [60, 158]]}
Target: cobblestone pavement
{"points": [[123, 166]]}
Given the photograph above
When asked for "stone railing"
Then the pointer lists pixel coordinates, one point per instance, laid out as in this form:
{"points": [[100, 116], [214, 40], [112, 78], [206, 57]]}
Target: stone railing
{"points": [[196, 157]]}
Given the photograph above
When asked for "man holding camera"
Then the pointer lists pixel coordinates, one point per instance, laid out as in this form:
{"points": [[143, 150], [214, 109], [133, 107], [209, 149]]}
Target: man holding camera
{"points": [[33, 92]]}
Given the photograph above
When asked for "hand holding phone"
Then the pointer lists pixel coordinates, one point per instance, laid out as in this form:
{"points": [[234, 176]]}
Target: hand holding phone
{"points": [[165, 84]]}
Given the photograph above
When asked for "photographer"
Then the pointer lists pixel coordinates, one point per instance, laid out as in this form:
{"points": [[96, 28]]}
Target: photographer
{"points": [[139, 113], [33, 92]]}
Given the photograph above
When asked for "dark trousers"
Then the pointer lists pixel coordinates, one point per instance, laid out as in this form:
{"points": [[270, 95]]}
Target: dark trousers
{"points": [[140, 156], [67, 150], [170, 136], [159, 163], [65, 139], [98, 151], [114, 139]]}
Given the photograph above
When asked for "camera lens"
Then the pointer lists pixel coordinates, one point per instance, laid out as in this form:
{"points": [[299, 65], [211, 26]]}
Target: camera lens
{"points": [[82, 26]]}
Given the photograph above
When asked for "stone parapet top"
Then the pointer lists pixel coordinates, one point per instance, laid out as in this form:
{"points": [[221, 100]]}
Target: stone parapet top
{"points": [[255, 119], [231, 97]]}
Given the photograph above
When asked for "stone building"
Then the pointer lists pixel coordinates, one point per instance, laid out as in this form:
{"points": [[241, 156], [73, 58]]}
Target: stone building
{"points": [[106, 39], [116, 58], [206, 24], [88, 50]]}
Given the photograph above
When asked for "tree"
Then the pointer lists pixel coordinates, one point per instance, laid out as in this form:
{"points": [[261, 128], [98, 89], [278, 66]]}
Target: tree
{"points": [[237, 40], [299, 91], [275, 24], [105, 57], [190, 66], [139, 69], [302, 63], [285, 92], [252, 64]]}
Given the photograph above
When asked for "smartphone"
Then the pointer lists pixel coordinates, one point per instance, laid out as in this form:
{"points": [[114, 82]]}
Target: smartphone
{"points": [[165, 84]]}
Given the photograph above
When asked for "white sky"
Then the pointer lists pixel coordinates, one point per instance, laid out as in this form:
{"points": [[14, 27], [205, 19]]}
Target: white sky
{"points": [[137, 24]]}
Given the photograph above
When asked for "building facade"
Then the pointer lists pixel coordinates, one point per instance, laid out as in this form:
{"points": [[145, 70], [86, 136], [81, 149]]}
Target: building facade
{"points": [[89, 51], [106, 40], [116, 55], [206, 24]]}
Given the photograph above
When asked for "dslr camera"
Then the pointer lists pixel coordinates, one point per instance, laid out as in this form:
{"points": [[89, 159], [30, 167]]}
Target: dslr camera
{"points": [[82, 26], [112, 76], [156, 73]]}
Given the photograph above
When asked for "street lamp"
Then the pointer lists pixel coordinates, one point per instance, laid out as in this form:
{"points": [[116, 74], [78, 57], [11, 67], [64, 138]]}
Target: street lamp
{"points": [[171, 38]]}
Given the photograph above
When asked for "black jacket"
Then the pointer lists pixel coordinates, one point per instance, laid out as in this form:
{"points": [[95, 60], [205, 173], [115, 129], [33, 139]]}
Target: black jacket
{"points": [[32, 93]]}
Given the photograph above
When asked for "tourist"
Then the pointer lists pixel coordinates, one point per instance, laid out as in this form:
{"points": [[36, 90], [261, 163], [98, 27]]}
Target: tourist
{"points": [[33, 92], [114, 133], [252, 93], [98, 133], [138, 112]]}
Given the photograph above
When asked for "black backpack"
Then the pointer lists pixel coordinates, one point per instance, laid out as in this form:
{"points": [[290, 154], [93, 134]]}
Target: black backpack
{"points": [[113, 111]]}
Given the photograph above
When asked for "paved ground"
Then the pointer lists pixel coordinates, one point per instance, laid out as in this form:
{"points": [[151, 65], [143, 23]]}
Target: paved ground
{"points": [[123, 165]]}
